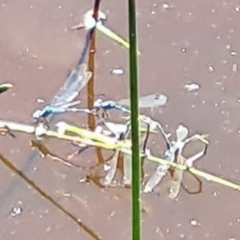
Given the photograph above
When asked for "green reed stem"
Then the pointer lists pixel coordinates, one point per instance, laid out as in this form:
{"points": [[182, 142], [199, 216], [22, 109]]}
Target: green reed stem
{"points": [[136, 164]]}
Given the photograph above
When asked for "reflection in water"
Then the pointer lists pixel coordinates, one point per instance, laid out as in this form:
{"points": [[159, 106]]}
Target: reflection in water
{"points": [[47, 153], [82, 225]]}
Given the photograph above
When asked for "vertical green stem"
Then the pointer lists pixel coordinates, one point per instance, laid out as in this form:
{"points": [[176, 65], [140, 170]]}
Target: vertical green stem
{"points": [[136, 164]]}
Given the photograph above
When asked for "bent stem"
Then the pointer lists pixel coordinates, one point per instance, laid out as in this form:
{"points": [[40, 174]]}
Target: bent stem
{"points": [[90, 138]]}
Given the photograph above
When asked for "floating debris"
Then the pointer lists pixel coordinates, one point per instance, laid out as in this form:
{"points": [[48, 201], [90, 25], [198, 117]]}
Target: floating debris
{"points": [[183, 50], [211, 68], [16, 211], [194, 222], [166, 5], [237, 9], [40, 67], [192, 87], [234, 67], [40, 100], [117, 71], [233, 53]]}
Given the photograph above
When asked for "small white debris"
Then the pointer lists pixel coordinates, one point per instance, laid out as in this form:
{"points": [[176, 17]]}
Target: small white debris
{"points": [[237, 9], [182, 235], [233, 53], [112, 213], [192, 87], [194, 222], [82, 180], [117, 71], [234, 67], [67, 195], [183, 50], [40, 100], [215, 194], [15, 211], [166, 5], [228, 46], [211, 68], [40, 67]]}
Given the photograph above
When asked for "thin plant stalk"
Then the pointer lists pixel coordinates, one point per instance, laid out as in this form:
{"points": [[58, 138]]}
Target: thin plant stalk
{"points": [[91, 65], [136, 160], [93, 139]]}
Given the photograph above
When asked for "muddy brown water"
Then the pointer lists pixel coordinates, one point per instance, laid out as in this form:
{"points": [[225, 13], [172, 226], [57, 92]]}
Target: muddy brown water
{"points": [[183, 42]]}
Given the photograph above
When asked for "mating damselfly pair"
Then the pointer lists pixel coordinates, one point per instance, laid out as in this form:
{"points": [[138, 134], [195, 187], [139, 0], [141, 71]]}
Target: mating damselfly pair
{"points": [[79, 77]]}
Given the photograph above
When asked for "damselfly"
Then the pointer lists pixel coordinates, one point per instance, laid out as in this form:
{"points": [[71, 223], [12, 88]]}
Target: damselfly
{"points": [[147, 101], [62, 102]]}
